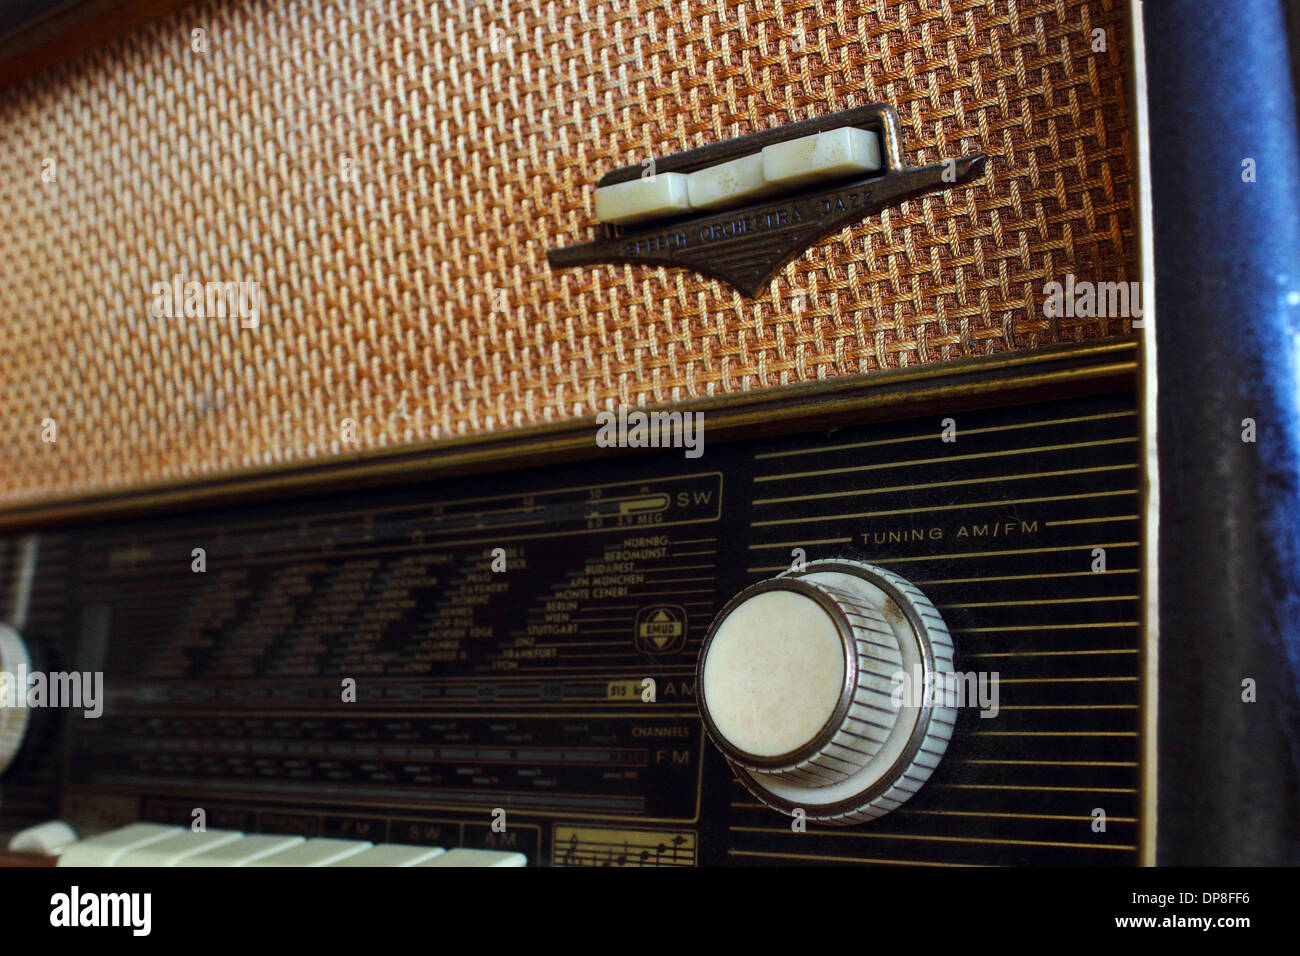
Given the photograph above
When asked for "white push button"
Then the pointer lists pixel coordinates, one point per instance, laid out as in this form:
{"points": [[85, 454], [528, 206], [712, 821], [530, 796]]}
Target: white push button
{"points": [[728, 183], [652, 198], [107, 848], [314, 853], [781, 167], [836, 154], [391, 854], [477, 858], [242, 852], [48, 838], [173, 850]]}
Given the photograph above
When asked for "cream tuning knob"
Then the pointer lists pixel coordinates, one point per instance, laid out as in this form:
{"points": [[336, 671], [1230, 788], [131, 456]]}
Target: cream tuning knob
{"points": [[799, 685], [14, 667]]}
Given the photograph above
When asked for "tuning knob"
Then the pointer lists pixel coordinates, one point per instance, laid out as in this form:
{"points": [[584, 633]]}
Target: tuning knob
{"points": [[14, 667], [818, 686]]}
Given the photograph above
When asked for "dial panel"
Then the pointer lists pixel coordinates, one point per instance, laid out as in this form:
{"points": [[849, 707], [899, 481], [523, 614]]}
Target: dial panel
{"points": [[525, 688]]}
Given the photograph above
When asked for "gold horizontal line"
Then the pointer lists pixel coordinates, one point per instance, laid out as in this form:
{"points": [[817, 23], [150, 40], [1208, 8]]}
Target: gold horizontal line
{"points": [[1118, 650], [877, 835], [702, 577], [682, 671], [587, 654], [876, 466], [676, 710], [928, 509], [587, 643], [1031, 602], [1056, 763], [841, 859], [1066, 680], [1068, 707], [683, 567], [1009, 786], [672, 592], [1053, 732], [973, 431], [975, 554], [1052, 524], [800, 544], [990, 554], [1043, 627], [1025, 577], [1016, 816], [942, 484]]}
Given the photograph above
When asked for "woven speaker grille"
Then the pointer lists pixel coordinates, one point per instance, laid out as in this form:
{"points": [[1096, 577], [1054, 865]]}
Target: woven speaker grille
{"points": [[391, 174]]}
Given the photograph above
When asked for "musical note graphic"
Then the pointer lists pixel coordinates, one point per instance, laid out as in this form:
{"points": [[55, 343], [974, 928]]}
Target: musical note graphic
{"points": [[599, 846]]}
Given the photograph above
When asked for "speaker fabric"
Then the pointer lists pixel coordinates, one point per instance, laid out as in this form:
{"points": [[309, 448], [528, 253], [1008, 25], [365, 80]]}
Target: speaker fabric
{"points": [[386, 177]]}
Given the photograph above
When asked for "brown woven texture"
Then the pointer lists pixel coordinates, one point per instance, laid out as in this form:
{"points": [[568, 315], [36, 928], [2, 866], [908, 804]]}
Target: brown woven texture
{"points": [[415, 299]]}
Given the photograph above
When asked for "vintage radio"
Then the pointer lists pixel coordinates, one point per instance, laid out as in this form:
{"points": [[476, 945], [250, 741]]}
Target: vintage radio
{"points": [[485, 433]]}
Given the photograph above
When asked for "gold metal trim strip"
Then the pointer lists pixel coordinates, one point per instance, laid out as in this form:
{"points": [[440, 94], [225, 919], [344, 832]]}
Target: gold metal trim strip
{"points": [[981, 382]]}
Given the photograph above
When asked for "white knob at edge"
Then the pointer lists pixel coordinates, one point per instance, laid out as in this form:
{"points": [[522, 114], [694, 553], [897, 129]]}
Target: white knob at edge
{"points": [[796, 686], [15, 664]]}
